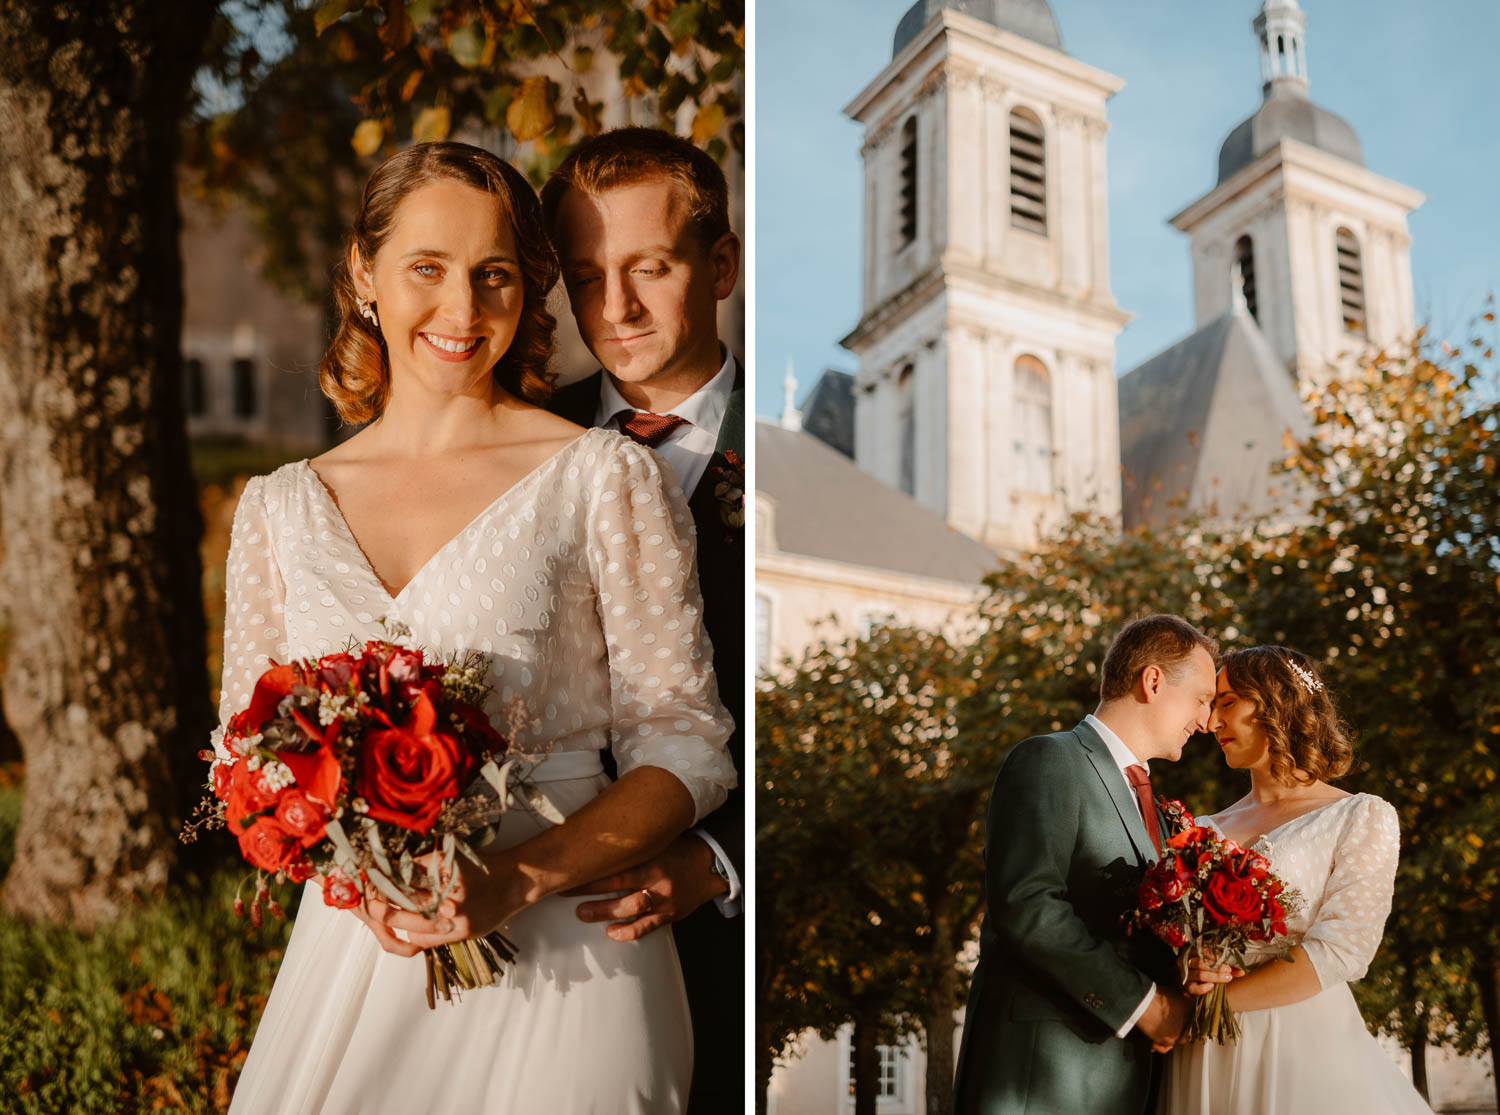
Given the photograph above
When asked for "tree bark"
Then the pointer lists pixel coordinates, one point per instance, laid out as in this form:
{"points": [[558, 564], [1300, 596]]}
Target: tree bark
{"points": [[944, 1001], [866, 1064], [104, 684]]}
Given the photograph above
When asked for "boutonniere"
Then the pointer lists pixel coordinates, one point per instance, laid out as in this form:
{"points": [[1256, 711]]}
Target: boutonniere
{"points": [[1177, 816], [729, 492]]}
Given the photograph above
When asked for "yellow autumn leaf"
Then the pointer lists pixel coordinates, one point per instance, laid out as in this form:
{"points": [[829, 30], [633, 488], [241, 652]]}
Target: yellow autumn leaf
{"points": [[707, 122], [367, 137], [432, 124], [530, 113], [1475, 839]]}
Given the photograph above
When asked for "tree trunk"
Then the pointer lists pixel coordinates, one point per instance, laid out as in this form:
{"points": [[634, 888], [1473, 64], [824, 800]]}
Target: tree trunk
{"points": [[942, 1004], [1487, 976], [866, 1064], [104, 683], [1419, 1059]]}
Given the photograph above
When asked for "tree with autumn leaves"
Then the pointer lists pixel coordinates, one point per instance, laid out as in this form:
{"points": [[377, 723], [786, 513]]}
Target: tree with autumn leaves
{"points": [[1391, 579]]}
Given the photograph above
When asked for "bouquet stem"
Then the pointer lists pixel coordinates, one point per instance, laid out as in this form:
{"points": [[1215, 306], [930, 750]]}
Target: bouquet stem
{"points": [[1213, 1020], [465, 965]]}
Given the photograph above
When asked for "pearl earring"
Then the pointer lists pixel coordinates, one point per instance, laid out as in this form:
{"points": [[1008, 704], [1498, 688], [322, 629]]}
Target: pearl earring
{"points": [[367, 310]]}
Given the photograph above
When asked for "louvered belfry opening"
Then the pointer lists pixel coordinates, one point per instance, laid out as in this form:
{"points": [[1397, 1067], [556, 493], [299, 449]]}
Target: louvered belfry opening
{"points": [[1351, 282], [1028, 173], [1244, 264], [907, 230]]}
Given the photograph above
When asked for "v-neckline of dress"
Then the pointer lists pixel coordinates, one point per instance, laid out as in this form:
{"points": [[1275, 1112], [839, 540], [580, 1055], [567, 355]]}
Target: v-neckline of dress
{"points": [[326, 493], [1266, 836]]}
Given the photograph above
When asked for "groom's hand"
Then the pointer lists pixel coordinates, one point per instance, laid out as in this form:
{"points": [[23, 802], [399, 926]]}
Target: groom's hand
{"points": [[662, 890], [1164, 1019]]}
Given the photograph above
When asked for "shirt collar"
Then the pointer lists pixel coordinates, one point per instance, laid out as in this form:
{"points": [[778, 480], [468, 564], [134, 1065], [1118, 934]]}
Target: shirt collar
{"points": [[704, 408], [1122, 755]]}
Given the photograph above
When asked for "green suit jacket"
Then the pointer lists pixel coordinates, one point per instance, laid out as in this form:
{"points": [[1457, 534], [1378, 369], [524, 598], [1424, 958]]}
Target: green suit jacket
{"points": [[1064, 849]]}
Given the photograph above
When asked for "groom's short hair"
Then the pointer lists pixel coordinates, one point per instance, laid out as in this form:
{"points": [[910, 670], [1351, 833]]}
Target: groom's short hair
{"points": [[626, 156], [1156, 640]]}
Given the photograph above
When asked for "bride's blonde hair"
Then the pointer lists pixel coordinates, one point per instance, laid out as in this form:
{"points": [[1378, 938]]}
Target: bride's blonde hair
{"points": [[1293, 708], [355, 372]]}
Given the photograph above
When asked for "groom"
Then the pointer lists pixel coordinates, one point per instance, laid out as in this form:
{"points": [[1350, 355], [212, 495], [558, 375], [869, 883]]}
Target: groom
{"points": [[640, 220], [1064, 1009]]}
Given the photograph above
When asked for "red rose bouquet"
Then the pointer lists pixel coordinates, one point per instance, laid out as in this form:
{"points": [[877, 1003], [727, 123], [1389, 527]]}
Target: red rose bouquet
{"points": [[372, 769], [1208, 898]]}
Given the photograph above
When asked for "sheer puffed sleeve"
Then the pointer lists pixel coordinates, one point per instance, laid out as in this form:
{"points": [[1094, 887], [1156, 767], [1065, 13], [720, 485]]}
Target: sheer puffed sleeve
{"points": [[1349, 925], [254, 602], [665, 708]]}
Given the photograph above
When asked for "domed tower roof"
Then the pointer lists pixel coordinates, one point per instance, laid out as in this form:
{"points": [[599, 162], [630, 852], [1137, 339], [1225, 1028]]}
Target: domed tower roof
{"points": [[1286, 111], [1031, 19]]}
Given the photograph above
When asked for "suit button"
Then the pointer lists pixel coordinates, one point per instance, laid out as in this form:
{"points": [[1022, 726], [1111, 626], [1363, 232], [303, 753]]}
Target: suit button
{"points": [[1093, 1000]]}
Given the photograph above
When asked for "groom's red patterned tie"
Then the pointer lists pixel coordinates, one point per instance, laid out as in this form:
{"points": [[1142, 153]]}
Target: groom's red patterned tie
{"points": [[1140, 782], [650, 429]]}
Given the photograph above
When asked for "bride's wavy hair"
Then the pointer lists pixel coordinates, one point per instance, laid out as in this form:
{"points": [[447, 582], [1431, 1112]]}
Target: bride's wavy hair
{"points": [[1293, 708], [355, 372]]}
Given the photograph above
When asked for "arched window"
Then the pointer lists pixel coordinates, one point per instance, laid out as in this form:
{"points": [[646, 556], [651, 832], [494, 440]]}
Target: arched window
{"points": [[1351, 282], [906, 393], [1244, 274], [906, 225], [1028, 172], [1032, 389]]}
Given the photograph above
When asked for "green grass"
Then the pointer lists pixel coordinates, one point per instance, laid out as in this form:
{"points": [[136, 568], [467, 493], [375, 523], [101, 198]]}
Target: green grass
{"points": [[220, 460], [152, 1013]]}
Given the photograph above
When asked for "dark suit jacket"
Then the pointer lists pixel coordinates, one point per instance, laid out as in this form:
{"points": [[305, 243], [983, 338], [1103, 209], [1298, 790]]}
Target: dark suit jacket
{"points": [[1065, 847], [711, 946]]}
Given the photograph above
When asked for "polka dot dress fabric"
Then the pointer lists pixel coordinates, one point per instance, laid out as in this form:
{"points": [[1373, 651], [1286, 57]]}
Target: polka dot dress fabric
{"points": [[579, 587], [1314, 1057]]}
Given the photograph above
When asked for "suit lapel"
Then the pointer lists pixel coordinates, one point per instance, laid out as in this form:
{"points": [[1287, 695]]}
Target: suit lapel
{"points": [[1119, 792]]}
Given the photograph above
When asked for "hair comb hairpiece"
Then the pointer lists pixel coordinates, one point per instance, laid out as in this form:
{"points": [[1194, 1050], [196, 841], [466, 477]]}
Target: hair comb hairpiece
{"points": [[1305, 677]]}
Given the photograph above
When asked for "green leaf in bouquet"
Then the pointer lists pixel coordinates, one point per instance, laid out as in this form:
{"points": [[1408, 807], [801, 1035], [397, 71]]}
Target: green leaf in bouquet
{"points": [[389, 889], [406, 866], [471, 855], [377, 846]]}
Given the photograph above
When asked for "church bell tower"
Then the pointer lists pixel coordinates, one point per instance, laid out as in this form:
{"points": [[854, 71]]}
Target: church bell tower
{"points": [[986, 341]]}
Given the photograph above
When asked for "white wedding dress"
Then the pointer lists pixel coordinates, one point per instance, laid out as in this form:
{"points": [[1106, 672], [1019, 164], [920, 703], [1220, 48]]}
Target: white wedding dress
{"points": [[579, 586], [1314, 1057]]}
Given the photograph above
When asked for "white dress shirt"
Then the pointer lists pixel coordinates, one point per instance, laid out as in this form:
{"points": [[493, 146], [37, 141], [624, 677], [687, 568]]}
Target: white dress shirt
{"points": [[1123, 758], [687, 451], [688, 448]]}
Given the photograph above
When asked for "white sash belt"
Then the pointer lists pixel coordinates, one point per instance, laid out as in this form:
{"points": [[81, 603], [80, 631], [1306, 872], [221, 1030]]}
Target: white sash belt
{"points": [[563, 765]]}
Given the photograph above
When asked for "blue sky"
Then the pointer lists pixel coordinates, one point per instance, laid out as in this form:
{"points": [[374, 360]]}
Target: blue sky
{"points": [[1418, 82]]}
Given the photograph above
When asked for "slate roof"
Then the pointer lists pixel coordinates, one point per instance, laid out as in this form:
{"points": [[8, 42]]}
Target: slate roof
{"points": [[1288, 114], [828, 411], [826, 507], [1031, 19], [1202, 424]]}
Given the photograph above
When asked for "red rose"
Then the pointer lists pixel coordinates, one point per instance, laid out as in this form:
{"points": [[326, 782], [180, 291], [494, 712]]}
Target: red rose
{"points": [[336, 671], [1149, 897], [1188, 838], [300, 869], [1172, 934], [1229, 899], [405, 666], [249, 793], [1175, 887], [339, 890], [266, 845], [408, 771], [302, 818], [221, 774]]}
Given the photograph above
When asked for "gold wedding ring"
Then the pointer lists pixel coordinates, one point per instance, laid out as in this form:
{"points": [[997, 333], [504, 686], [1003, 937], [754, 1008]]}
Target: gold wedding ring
{"points": [[650, 899]]}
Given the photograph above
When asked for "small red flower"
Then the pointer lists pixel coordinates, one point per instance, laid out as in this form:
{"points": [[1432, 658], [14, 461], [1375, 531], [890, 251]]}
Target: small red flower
{"points": [[340, 890], [267, 845]]}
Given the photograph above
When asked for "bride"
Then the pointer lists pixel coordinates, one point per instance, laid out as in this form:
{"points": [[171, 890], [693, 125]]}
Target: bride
{"points": [[562, 555], [1303, 1047]]}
